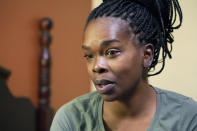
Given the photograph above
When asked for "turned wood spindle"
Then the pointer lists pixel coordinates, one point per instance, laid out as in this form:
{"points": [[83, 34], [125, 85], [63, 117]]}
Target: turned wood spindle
{"points": [[45, 112]]}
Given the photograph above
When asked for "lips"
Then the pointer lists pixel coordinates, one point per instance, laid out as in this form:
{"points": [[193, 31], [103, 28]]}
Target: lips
{"points": [[104, 86]]}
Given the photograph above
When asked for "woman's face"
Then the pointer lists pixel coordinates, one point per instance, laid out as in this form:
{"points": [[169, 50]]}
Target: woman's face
{"points": [[114, 61]]}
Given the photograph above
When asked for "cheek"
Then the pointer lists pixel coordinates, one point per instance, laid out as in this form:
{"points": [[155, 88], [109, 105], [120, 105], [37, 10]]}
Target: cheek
{"points": [[89, 69], [127, 72], [128, 69]]}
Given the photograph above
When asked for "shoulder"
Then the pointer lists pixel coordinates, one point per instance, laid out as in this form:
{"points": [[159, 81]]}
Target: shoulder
{"points": [[75, 111], [189, 114], [82, 103], [185, 102], [180, 107]]}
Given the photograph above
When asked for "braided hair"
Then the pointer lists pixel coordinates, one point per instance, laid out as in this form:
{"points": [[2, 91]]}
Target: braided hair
{"points": [[153, 19]]}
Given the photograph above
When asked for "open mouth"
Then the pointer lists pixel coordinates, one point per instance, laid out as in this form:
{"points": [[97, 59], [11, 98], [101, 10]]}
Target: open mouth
{"points": [[104, 86]]}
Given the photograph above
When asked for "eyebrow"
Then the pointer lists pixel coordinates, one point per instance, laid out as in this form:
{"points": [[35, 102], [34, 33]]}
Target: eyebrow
{"points": [[85, 47], [104, 43]]}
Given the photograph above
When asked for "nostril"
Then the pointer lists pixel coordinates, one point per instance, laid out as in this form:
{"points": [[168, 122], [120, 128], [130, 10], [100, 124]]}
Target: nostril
{"points": [[99, 70], [102, 70]]}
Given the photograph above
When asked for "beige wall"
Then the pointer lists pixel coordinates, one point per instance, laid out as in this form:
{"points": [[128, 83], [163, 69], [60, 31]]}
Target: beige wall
{"points": [[180, 73], [19, 47]]}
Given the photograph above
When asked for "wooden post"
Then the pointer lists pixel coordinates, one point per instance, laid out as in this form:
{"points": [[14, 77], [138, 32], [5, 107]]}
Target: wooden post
{"points": [[44, 112]]}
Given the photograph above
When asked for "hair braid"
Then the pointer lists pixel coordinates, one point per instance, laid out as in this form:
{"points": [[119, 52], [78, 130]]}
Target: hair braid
{"points": [[142, 21], [153, 19]]}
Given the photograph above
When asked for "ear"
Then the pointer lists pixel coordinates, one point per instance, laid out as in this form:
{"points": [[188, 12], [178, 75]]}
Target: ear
{"points": [[148, 55]]}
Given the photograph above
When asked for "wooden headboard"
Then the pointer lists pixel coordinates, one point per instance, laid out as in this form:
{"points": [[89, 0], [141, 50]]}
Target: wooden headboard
{"points": [[44, 111], [18, 113]]}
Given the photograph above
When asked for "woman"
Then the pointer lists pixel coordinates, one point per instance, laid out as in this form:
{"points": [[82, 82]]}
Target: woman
{"points": [[122, 42]]}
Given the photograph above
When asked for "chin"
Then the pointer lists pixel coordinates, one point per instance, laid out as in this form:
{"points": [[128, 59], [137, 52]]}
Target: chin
{"points": [[109, 97]]}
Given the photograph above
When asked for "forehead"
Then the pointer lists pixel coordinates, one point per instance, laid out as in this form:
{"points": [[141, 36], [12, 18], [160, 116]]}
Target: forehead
{"points": [[106, 28]]}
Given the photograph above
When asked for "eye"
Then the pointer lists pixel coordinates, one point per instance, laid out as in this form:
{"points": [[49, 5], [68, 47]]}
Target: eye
{"points": [[112, 53], [88, 56]]}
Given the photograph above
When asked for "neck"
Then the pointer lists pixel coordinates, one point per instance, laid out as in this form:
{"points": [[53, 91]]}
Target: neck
{"points": [[139, 104]]}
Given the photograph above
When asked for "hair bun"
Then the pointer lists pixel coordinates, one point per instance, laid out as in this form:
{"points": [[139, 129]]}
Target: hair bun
{"points": [[162, 9], [152, 6]]}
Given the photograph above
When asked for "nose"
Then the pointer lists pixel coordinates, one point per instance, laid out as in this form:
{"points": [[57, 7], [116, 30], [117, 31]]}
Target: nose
{"points": [[100, 66]]}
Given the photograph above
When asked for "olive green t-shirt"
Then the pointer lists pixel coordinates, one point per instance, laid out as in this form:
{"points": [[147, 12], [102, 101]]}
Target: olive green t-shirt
{"points": [[174, 112]]}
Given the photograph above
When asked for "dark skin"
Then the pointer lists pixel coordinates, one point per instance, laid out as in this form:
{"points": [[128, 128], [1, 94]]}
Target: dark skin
{"points": [[115, 55]]}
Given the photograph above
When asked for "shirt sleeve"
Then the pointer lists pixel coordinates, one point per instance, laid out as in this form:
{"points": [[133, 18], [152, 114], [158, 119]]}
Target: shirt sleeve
{"points": [[62, 121]]}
